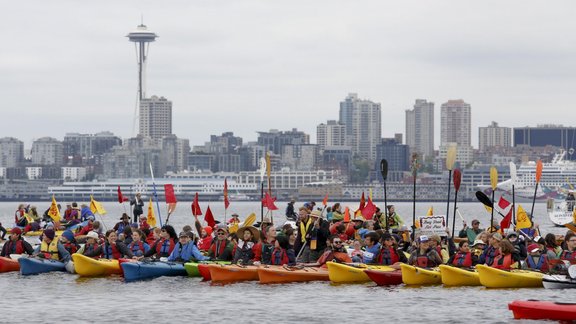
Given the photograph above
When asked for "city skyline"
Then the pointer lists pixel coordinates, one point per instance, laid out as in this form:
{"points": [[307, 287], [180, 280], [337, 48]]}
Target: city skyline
{"points": [[291, 74]]}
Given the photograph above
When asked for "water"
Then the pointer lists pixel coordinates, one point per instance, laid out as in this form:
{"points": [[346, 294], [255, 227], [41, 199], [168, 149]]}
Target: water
{"points": [[67, 298]]}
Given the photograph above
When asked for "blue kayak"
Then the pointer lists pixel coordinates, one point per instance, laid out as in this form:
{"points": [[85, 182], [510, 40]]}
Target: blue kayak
{"points": [[147, 270], [30, 266]]}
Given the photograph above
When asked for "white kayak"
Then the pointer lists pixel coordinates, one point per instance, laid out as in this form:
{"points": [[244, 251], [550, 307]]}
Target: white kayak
{"points": [[559, 213], [558, 282]]}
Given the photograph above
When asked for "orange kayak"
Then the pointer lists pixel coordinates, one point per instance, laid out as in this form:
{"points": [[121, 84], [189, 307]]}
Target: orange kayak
{"points": [[232, 272], [280, 274], [7, 265]]}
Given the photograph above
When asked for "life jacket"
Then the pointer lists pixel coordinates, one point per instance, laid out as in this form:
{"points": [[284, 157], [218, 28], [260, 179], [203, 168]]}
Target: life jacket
{"points": [[569, 256], [331, 255], [246, 252], [502, 262], [19, 218], [50, 251], [15, 248], [462, 260], [387, 256], [88, 248], [164, 247], [71, 247], [279, 257], [137, 248], [491, 254], [267, 253], [204, 243], [424, 261], [121, 227], [542, 264], [111, 252], [304, 228]]}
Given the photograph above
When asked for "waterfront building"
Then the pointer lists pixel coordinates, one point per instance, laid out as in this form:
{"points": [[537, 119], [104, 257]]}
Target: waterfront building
{"points": [[11, 152], [47, 151], [362, 119], [337, 158], [73, 173], [455, 129], [274, 139], [398, 157], [87, 149], [201, 162], [420, 128], [545, 135], [155, 117], [330, 134], [494, 135], [299, 157]]}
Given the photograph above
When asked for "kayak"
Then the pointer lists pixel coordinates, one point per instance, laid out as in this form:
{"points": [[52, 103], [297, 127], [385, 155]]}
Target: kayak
{"points": [[284, 274], [542, 310], [192, 267], [31, 266], [89, 267], [385, 278], [7, 265], [412, 275], [458, 277], [147, 270], [204, 271], [558, 282], [345, 273], [232, 272], [496, 278]]}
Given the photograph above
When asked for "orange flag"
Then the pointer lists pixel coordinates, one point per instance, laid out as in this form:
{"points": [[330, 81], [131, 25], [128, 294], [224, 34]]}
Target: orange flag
{"points": [[346, 215], [325, 201]]}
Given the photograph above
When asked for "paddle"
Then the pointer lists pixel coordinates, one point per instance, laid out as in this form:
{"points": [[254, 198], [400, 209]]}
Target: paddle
{"points": [[15, 256], [486, 201], [450, 160], [384, 172], [493, 183], [414, 166], [538, 176], [513, 180], [457, 181], [249, 220], [262, 172]]}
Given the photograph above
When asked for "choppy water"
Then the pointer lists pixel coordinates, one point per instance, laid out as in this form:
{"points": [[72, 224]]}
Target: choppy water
{"points": [[61, 297]]}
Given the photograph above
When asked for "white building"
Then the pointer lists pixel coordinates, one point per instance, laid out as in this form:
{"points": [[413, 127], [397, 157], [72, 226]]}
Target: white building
{"points": [[362, 119], [330, 134], [455, 123], [47, 151], [73, 173], [155, 117], [494, 136], [34, 173], [11, 152], [420, 128]]}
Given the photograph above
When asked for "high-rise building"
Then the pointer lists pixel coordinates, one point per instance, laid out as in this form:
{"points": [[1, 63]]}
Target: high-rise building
{"points": [[396, 154], [47, 151], [543, 135], [155, 117], [330, 134], [420, 128], [455, 123], [494, 135], [275, 139], [11, 152], [87, 149], [299, 157], [362, 119]]}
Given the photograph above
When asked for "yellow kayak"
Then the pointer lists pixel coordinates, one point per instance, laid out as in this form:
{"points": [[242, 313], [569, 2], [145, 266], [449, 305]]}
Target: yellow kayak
{"points": [[453, 276], [36, 233], [89, 267], [412, 275], [496, 278], [344, 273]]}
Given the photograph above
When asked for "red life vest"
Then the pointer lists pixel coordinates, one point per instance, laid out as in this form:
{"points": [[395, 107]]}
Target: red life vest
{"points": [[462, 260], [161, 247], [220, 250], [502, 262], [542, 264], [280, 255], [71, 247], [90, 248], [569, 256], [137, 248], [111, 252], [15, 248], [388, 256]]}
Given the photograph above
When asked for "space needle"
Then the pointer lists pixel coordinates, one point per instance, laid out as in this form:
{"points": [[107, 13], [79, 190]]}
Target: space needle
{"points": [[141, 38]]}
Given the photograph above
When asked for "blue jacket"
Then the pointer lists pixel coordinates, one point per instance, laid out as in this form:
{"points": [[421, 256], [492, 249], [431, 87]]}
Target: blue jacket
{"points": [[373, 250], [186, 253], [84, 213]]}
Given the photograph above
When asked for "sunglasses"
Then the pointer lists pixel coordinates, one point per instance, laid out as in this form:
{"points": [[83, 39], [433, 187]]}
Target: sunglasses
{"points": [[221, 233], [337, 242]]}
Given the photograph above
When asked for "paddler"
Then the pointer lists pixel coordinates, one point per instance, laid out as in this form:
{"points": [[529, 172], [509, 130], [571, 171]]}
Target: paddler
{"points": [[464, 258], [235, 219], [137, 246], [394, 220], [165, 244], [372, 246], [569, 254], [114, 248], [92, 247], [67, 239], [335, 251], [221, 248], [424, 256], [304, 227], [436, 243], [264, 248], [122, 224], [16, 244], [245, 250], [282, 253], [185, 250], [536, 259], [51, 248], [492, 250], [506, 259], [389, 253], [470, 232]]}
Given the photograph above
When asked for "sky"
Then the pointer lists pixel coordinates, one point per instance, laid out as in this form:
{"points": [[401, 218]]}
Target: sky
{"points": [[255, 65]]}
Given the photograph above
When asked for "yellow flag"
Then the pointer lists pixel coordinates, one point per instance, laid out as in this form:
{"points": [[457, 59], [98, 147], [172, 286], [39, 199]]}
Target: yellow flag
{"points": [[151, 220], [430, 211], [54, 212], [522, 220], [96, 207]]}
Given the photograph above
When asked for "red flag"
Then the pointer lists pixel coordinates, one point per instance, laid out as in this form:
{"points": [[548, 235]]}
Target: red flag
{"points": [[209, 218], [169, 193], [505, 223], [362, 203], [196, 206], [268, 201], [369, 209], [325, 201], [346, 215], [226, 201], [121, 198], [503, 203]]}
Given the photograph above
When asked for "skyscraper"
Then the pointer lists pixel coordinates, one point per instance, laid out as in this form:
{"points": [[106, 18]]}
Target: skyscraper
{"points": [[47, 151], [362, 119], [455, 126], [11, 152], [330, 134], [494, 135], [420, 128], [155, 117]]}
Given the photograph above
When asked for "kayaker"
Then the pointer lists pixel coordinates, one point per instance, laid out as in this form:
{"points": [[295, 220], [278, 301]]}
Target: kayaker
{"points": [[436, 243], [290, 212], [244, 251], [536, 259], [165, 244], [69, 241], [205, 238], [263, 249], [389, 253], [394, 220], [88, 227], [553, 250], [74, 217], [85, 212], [372, 246], [126, 235], [491, 251], [470, 232], [138, 204], [337, 213], [92, 247], [221, 248], [143, 223], [282, 253], [51, 248], [477, 248], [20, 216], [3, 231], [123, 223], [506, 259], [138, 247], [335, 252], [424, 256], [570, 253], [519, 245], [367, 227], [235, 219], [304, 227], [114, 248], [16, 244], [185, 250], [357, 253], [464, 258], [329, 214]]}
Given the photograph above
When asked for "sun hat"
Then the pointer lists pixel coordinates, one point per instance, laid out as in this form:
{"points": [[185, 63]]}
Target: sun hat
{"points": [[125, 216], [476, 242], [92, 234], [497, 236], [316, 213], [255, 232]]}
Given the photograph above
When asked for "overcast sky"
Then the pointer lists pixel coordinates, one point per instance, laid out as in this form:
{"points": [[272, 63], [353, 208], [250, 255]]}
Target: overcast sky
{"points": [[250, 65]]}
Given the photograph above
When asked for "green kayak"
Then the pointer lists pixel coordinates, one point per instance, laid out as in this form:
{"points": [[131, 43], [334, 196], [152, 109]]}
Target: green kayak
{"points": [[192, 267]]}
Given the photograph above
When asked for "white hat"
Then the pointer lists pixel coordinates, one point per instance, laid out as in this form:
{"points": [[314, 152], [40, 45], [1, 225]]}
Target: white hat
{"points": [[92, 234]]}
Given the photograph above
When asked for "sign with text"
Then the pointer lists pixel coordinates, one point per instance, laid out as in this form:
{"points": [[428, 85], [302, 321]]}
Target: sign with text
{"points": [[430, 225]]}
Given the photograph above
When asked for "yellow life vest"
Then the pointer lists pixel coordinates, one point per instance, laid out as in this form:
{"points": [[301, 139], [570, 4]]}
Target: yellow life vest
{"points": [[304, 229], [50, 250]]}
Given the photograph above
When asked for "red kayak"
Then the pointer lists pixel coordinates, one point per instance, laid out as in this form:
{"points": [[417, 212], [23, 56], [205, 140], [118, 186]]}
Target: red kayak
{"points": [[385, 278], [7, 265], [542, 310], [204, 271]]}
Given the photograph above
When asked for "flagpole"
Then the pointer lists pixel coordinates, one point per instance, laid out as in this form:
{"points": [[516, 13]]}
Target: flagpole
{"points": [[155, 195]]}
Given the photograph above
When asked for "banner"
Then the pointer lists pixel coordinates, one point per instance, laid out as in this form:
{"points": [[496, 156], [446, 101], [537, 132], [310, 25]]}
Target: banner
{"points": [[430, 225]]}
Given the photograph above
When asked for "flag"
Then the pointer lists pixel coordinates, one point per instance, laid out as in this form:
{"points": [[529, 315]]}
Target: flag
{"points": [[369, 209], [362, 203], [346, 215], [522, 220], [151, 219], [96, 207], [209, 218], [226, 201], [54, 212], [268, 201], [430, 211], [196, 206], [325, 201], [121, 197], [503, 203], [170, 198], [505, 223]]}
